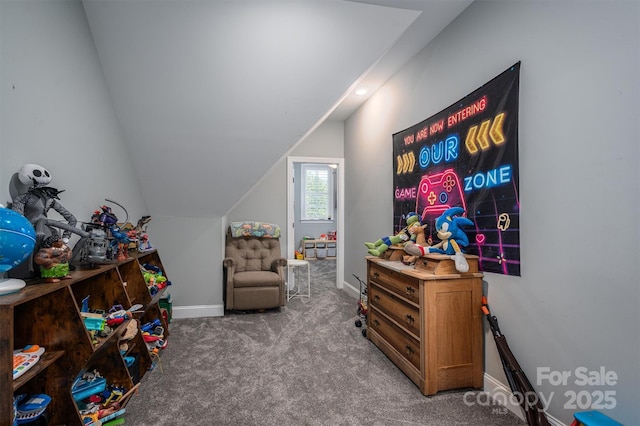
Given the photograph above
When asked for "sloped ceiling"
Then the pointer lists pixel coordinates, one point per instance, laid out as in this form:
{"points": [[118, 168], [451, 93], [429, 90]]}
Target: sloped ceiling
{"points": [[211, 93]]}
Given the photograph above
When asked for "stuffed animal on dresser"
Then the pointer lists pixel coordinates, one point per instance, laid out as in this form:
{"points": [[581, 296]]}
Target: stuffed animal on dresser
{"points": [[452, 238], [383, 244]]}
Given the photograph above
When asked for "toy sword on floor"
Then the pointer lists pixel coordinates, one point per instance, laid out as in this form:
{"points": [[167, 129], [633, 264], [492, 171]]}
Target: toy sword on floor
{"points": [[520, 385]]}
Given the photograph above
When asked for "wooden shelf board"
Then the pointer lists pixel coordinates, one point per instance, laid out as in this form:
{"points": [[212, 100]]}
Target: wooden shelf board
{"points": [[45, 360]]}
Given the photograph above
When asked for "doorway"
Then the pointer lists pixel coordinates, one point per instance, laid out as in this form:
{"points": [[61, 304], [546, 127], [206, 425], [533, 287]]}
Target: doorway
{"points": [[292, 244]]}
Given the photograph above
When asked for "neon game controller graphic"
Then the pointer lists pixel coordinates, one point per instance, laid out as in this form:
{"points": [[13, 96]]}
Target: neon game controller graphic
{"points": [[437, 193]]}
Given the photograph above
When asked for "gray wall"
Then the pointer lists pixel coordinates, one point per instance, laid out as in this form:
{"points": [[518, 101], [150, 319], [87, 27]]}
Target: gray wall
{"points": [[56, 110], [576, 304], [268, 199]]}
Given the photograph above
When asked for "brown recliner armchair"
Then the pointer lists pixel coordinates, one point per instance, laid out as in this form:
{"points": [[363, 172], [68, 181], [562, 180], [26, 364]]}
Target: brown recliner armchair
{"points": [[253, 268]]}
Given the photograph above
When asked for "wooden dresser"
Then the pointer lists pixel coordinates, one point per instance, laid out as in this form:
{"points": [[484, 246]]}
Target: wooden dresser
{"points": [[427, 319]]}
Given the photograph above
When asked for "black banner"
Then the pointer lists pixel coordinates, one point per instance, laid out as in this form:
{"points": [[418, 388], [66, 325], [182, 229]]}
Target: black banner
{"points": [[467, 156]]}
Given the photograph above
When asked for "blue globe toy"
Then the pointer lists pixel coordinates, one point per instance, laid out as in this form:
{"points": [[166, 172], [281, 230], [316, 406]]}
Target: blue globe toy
{"points": [[17, 241]]}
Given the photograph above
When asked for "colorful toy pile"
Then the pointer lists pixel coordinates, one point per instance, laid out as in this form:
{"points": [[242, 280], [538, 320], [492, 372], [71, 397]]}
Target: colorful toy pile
{"points": [[99, 402], [100, 323], [153, 336], [154, 278]]}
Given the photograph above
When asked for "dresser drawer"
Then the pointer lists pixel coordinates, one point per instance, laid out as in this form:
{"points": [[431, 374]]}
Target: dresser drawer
{"points": [[406, 345], [395, 282], [405, 314]]}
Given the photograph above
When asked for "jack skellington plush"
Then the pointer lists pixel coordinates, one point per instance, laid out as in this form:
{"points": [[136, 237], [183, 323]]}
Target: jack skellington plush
{"points": [[36, 203]]}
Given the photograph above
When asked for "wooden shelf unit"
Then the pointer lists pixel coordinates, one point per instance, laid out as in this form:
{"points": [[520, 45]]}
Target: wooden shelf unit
{"points": [[427, 319], [48, 314]]}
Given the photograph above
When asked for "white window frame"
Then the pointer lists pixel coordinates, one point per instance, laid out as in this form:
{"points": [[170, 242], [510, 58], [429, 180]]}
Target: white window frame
{"points": [[303, 185]]}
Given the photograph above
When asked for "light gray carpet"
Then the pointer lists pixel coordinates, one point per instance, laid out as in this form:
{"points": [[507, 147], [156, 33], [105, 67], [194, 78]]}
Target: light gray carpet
{"points": [[305, 364]]}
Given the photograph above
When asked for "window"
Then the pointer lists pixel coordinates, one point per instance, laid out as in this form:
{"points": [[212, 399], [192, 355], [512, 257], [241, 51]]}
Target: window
{"points": [[317, 192]]}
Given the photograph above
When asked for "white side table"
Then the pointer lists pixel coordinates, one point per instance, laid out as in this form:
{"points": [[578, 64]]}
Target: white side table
{"points": [[292, 265]]}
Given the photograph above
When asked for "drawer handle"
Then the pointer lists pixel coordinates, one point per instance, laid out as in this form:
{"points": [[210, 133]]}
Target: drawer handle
{"points": [[409, 319], [376, 298], [376, 275], [376, 323], [410, 291], [408, 350]]}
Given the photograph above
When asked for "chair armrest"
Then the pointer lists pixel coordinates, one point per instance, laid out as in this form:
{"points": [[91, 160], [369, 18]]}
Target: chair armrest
{"points": [[229, 263], [229, 269], [280, 262], [278, 266]]}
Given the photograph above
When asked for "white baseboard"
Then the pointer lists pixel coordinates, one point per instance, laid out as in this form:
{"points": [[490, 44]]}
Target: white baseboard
{"points": [[501, 395], [197, 311], [351, 290], [504, 397]]}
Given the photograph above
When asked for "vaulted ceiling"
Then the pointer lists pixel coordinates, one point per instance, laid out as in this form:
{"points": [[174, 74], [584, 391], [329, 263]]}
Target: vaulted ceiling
{"points": [[211, 93]]}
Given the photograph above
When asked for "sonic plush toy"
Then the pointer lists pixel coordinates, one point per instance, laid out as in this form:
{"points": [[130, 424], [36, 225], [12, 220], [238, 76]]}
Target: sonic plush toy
{"points": [[452, 238], [381, 245]]}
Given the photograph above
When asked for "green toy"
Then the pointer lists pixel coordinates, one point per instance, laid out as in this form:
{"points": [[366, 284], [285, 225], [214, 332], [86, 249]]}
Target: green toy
{"points": [[383, 244]]}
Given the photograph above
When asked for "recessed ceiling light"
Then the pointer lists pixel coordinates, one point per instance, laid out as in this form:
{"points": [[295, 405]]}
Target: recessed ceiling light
{"points": [[362, 91]]}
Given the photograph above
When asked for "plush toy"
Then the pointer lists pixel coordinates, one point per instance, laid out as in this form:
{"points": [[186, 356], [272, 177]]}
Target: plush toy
{"points": [[36, 202], [380, 246], [452, 238], [416, 230]]}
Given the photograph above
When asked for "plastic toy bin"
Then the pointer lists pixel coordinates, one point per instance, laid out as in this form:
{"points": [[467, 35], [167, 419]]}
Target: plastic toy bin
{"points": [[166, 304]]}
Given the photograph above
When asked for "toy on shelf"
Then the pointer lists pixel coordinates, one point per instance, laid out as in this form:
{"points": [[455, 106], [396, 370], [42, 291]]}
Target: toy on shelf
{"points": [[121, 242], [105, 407], [104, 218], [452, 238], [36, 202], [154, 278], [153, 336], [98, 401], [31, 408], [129, 333], [100, 323], [25, 358], [93, 321], [53, 257], [95, 250], [144, 245], [138, 238], [87, 384], [383, 244], [118, 238], [117, 314], [141, 236], [107, 221], [17, 241]]}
